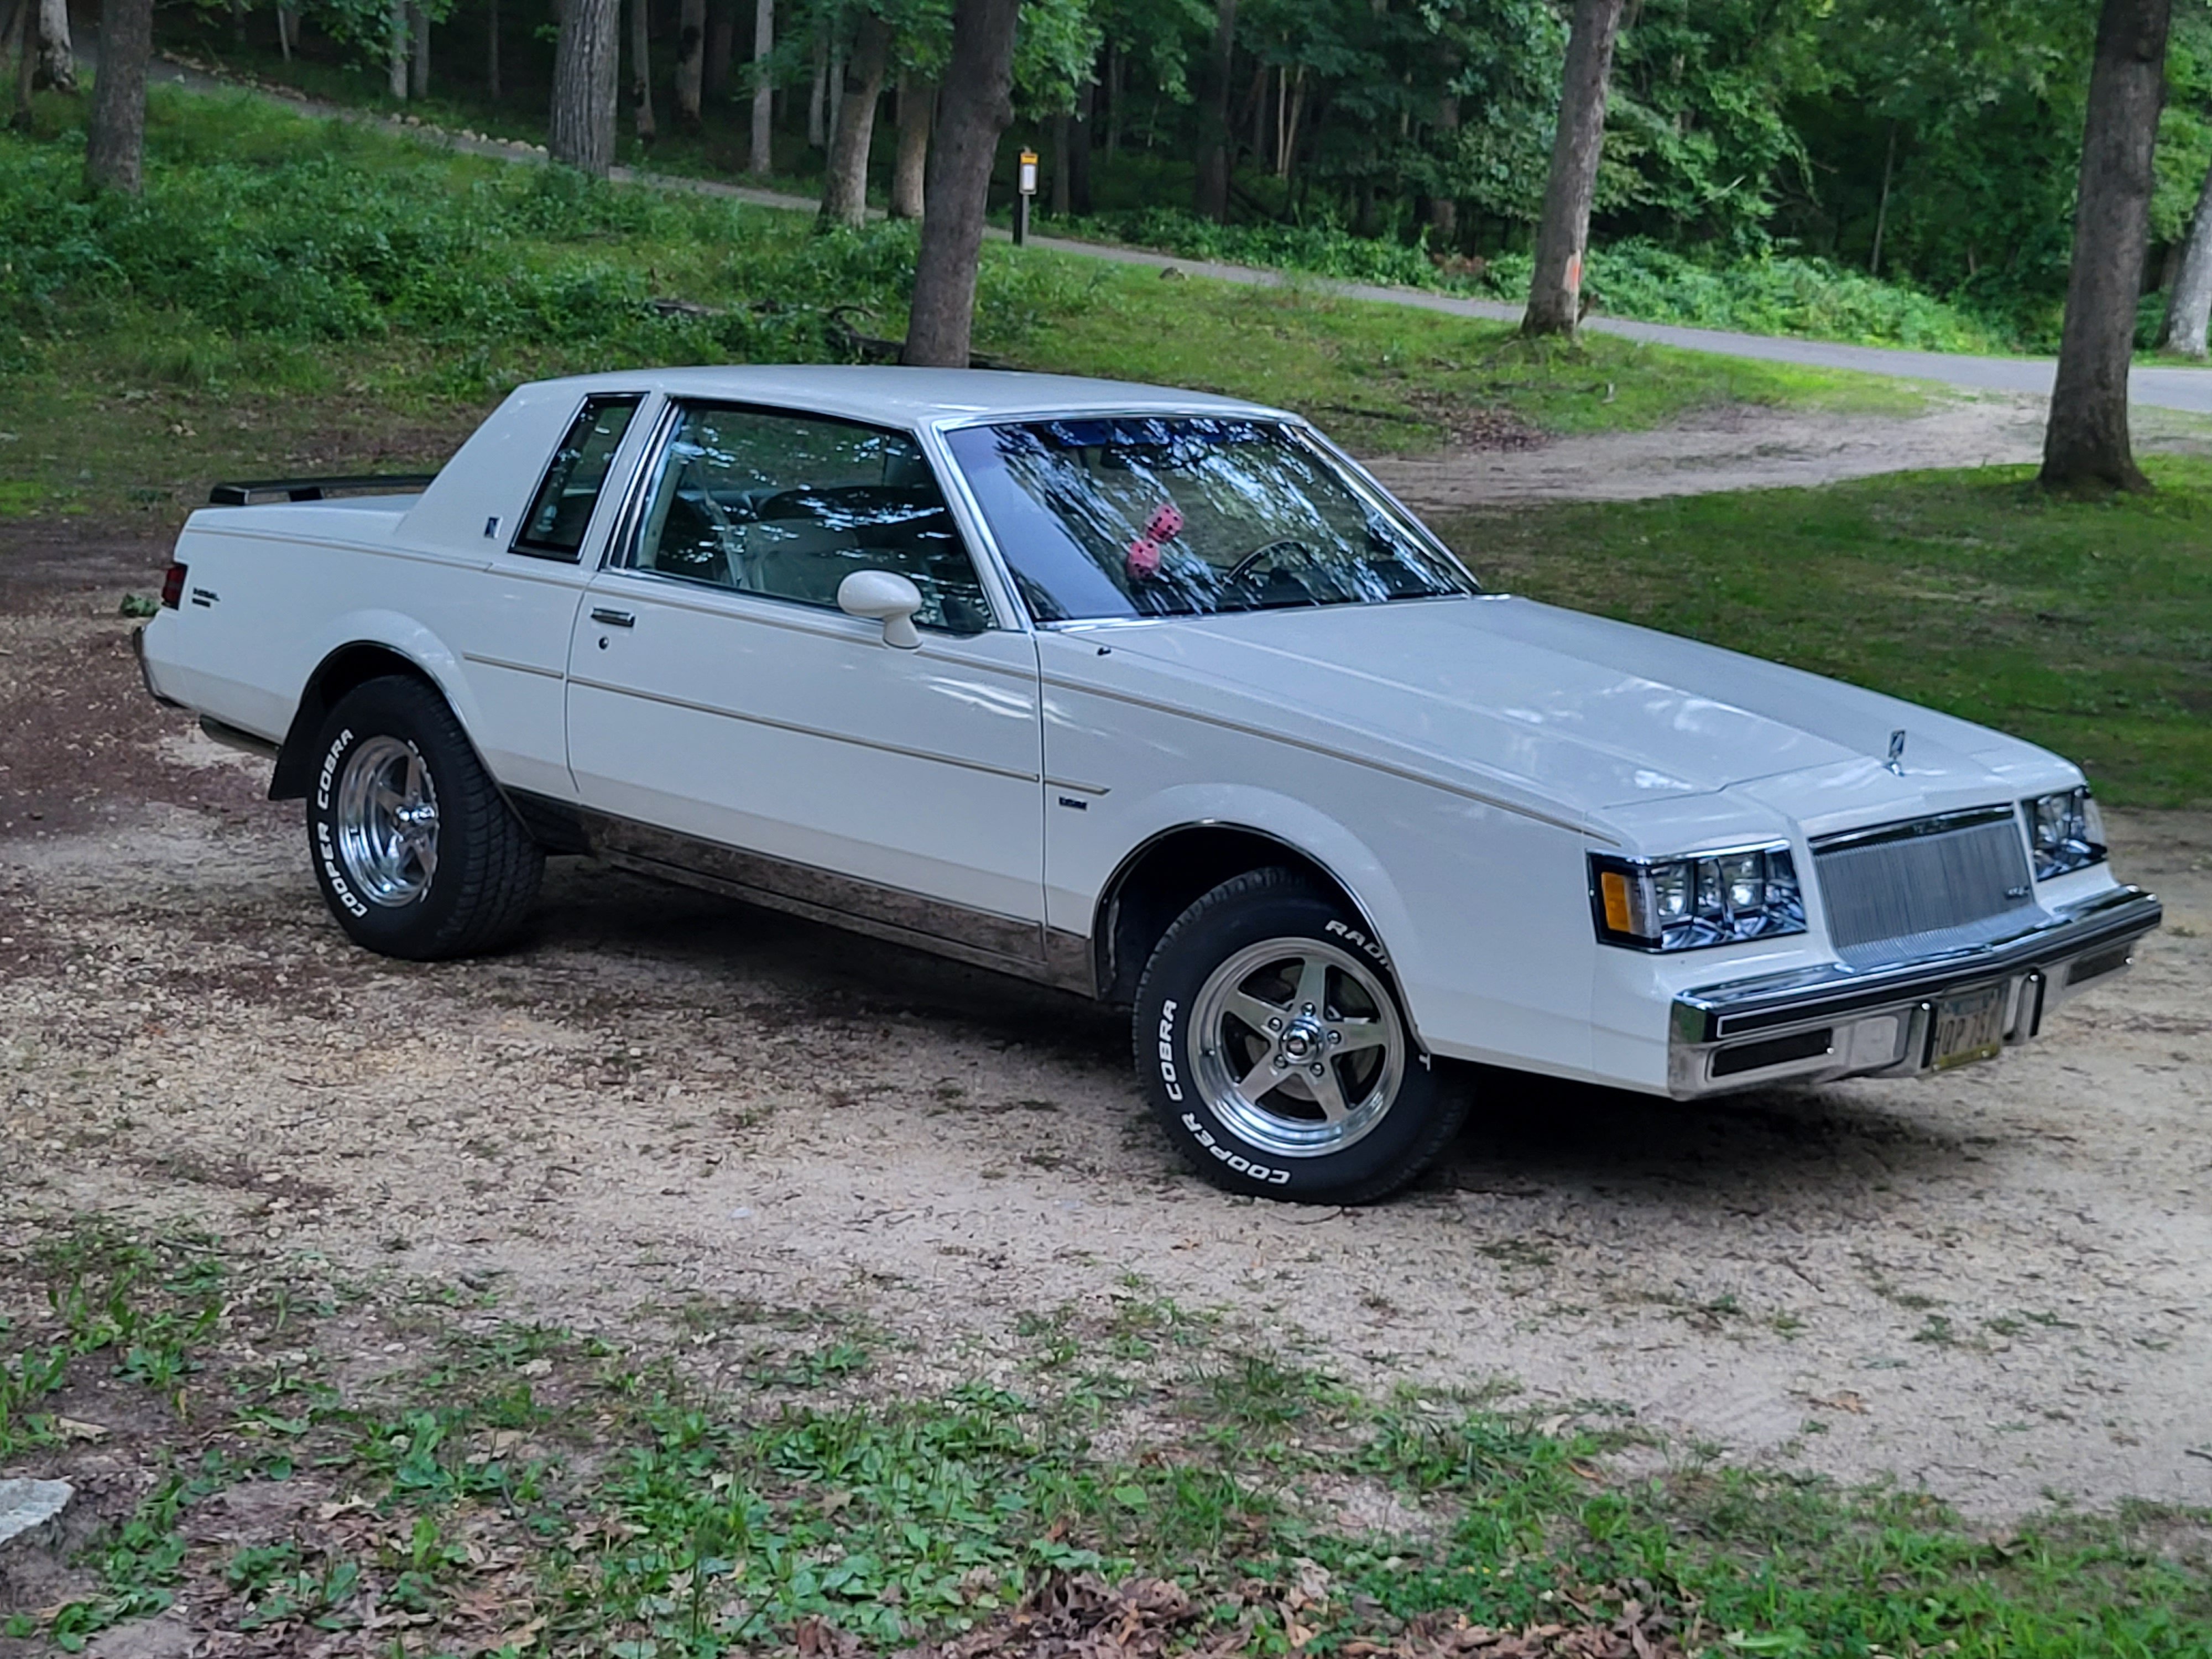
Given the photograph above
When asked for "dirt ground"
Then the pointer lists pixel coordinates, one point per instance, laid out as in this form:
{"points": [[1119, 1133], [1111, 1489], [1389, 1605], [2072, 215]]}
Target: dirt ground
{"points": [[1743, 447], [1998, 1285]]}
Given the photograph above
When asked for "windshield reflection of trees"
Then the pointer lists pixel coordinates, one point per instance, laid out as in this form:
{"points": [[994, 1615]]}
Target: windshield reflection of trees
{"points": [[1267, 522]]}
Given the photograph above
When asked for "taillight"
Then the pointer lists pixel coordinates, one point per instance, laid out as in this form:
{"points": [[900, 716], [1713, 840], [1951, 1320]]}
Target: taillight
{"points": [[173, 588]]}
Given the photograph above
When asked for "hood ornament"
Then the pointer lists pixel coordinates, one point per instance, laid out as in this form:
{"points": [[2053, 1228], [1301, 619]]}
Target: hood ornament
{"points": [[1896, 761]]}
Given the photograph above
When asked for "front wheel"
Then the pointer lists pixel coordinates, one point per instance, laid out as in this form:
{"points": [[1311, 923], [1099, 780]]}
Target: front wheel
{"points": [[1276, 1054], [417, 852]]}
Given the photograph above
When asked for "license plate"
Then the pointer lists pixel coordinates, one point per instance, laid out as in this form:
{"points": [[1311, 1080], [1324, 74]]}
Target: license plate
{"points": [[1970, 1027]]}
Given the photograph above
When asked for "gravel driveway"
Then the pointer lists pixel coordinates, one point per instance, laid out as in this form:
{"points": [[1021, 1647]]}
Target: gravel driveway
{"points": [[1997, 1285]]}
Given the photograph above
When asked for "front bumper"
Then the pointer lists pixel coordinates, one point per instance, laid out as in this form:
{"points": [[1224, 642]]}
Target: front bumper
{"points": [[1814, 1024]]}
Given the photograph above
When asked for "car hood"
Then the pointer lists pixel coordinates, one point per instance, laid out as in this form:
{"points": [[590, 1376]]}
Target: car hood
{"points": [[1582, 713]]}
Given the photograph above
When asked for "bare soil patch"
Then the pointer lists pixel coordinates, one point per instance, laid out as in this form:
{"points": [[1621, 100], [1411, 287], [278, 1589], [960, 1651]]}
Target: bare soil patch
{"points": [[1740, 446], [667, 1108]]}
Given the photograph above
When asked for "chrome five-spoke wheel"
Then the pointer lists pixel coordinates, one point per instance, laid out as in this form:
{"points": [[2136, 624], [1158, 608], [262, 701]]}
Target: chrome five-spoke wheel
{"points": [[387, 822], [1300, 1048]]}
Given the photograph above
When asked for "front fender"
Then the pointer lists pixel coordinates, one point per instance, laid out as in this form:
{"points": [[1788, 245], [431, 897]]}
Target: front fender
{"points": [[1298, 825]]}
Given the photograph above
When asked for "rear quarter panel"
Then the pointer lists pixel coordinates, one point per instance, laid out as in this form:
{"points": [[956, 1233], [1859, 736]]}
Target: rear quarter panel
{"points": [[272, 590]]}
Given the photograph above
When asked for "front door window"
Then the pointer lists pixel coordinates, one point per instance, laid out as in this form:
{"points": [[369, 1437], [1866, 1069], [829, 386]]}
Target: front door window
{"points": [[786, 507]]}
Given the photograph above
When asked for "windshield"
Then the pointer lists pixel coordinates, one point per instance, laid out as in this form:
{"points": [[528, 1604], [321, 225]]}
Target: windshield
{"points": [[1188, 515]]}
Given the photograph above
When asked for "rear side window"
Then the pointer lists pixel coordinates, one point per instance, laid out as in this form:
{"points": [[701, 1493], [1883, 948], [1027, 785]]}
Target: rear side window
{"points": [[562, 510]]}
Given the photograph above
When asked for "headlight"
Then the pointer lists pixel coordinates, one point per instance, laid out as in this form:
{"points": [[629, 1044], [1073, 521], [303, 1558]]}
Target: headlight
{"points": [[2066, 830], [1684, 904]]}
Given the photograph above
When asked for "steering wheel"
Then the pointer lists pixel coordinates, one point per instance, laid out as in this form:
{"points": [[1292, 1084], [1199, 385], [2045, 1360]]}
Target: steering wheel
{"points": [[1266, 550]]}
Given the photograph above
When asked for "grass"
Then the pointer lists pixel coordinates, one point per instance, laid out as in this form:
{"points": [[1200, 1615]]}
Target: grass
{"points": [[506, 1485], [2082, 625], [1781, 294], [296, 293]]}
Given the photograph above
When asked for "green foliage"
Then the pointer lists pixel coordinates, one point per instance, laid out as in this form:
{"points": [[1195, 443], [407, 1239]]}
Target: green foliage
{"points": [[521, 1469], [2082, 625], [1770, 294], [1324, 249], [1764, 294], [333, 236]]}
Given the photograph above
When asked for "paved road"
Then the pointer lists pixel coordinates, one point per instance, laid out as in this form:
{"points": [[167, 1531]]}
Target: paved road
{"points": [[2161, 387]]}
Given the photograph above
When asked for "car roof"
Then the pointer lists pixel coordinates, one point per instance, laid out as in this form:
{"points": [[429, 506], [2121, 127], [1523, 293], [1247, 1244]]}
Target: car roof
{"points": [[914, 397]]}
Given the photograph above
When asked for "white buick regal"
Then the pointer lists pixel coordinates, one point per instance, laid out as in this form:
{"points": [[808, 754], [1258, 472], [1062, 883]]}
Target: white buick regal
{"points": [[1151, 695]]}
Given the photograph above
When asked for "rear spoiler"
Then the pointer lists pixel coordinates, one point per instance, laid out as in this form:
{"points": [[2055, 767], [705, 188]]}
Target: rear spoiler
{"points": [[314, 489]]}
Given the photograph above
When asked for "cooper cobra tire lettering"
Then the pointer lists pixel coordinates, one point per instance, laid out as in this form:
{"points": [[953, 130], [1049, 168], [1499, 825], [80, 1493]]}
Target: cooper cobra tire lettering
{"points": [[1237, 1161], [325, 849], [330, 769], [1166, 1053]]}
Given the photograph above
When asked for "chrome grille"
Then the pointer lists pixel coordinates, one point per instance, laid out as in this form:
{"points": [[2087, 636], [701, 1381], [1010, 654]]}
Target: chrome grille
{"points": [[1905, 890]]}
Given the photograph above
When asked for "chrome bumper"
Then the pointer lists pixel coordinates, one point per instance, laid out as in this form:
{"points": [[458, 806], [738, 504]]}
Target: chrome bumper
{"points": [[1815, 1024]]}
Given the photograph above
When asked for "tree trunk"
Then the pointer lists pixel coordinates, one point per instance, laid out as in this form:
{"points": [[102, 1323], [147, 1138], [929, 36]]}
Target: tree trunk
{"points": [[418, 73], [287, 31], [1556, 287], [2087, 441], [721, 46], [763, 146], [917, 108], [845, 187], [115, 144], [395, 77], [16, 48], [1444, 211], [1057, 200], [586, 72], [57, 59], [690, 61], [491, 49], [640, 69], [836, 85], [2189, 299], [817, 130], [978, 107], [1212, 198], [1079, 149], [1881, 208], [1114, 95]]}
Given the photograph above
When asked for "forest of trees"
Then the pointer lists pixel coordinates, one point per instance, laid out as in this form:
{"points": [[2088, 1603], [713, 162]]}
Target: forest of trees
{"points": [[1934, 141], [1937, 143]]}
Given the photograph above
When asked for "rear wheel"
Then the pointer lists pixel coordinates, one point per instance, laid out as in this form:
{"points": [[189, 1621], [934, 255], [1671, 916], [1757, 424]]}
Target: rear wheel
{"points": [[1277, 1059], [417, 852]]}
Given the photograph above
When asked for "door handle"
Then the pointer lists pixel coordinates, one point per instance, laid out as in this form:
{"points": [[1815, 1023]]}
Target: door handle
{"points": [[613, 618]]}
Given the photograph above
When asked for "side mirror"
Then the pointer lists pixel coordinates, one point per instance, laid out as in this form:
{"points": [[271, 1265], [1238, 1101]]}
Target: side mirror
{"points": [[883, 596]]}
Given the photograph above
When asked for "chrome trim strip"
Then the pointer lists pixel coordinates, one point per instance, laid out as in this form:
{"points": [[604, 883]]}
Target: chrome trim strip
{"points": [[1079, 788], [629, 506], [1912, 828], [984, 767], [1330, 752], [1835, 991], [1007, 945], [513, 667]]}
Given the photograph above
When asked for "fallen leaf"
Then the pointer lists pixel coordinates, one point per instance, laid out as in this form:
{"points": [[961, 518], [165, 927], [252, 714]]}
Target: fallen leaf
{"points": [[70, 1429]]}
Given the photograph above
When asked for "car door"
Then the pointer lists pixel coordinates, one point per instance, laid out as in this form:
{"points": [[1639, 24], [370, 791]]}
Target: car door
{"points": [[513, 622], [725, 717]]}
